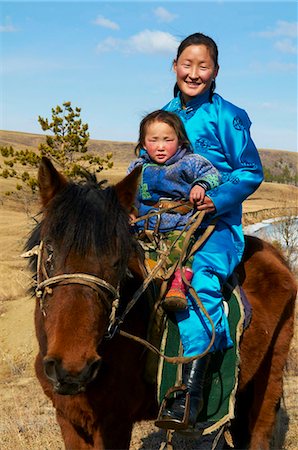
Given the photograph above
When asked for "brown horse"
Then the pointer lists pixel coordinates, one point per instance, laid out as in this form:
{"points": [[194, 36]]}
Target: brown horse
{"points": [[87, 257]]}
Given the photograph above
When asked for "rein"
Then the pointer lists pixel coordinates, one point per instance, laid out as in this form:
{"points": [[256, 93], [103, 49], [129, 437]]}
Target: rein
{"points": [[192, 225], [44, 287]]}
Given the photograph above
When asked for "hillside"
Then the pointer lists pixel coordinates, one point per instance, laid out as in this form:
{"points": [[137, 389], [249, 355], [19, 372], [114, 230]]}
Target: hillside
{"points": [[27, 419], [123, 152]]}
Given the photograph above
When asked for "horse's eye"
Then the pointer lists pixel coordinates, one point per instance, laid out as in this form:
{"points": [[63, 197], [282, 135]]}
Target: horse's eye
{"points": [[116, 264], [48, 247], [49, 258]]}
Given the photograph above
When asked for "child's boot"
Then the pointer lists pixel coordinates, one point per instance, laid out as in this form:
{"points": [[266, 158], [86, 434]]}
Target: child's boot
{"points": [[175, 299]]}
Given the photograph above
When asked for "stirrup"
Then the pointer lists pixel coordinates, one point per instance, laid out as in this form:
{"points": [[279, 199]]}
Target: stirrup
{"points": [[167, 422]]}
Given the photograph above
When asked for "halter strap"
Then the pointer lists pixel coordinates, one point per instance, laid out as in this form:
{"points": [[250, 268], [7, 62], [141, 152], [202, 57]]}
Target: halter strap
{"points": [[45, 287], [84, 279], [77, 278]]}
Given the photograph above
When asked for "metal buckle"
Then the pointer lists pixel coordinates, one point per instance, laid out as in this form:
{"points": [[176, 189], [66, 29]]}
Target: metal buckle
{"points": [[113, 329]]}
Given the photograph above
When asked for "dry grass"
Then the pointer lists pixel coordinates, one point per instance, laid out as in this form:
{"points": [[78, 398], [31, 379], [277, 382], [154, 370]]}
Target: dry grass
{"points": [[14, 227], [27, 418], [28, 421]]}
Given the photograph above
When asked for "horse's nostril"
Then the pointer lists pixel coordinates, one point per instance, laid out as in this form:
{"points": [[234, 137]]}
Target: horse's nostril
{"points": [[93, 369], [50, 368], [70, 382]]}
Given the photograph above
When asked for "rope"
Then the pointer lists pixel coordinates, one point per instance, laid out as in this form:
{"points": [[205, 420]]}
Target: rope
{"points": [[161, 211], [79, 278], [197, 218], [43, 288], [193, 225]]}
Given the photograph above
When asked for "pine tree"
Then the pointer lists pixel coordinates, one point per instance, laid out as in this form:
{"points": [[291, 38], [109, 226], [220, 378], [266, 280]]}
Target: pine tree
{"points": [[66, 146]]}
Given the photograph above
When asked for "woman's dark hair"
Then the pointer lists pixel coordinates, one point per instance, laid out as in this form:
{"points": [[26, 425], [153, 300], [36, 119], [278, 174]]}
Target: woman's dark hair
{"points": [[199, 39], [167, 117]]}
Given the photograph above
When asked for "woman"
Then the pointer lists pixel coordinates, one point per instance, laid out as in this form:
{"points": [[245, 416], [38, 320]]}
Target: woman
{"points": [[219, 131]]}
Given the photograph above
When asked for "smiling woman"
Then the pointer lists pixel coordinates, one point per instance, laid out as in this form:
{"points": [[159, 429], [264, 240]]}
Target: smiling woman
{"points": [[196, 69], [220, 132]]}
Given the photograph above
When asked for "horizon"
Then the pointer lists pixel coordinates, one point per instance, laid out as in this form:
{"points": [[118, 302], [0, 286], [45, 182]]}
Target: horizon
{"points": [[132, 142], [113, 59]]}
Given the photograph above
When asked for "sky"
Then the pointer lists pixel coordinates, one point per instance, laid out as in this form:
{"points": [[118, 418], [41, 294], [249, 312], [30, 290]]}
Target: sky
{"points": [[114, 60]]}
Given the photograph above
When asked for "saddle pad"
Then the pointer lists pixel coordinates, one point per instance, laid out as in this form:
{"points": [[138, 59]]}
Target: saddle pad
{"points": [[222, 377]]}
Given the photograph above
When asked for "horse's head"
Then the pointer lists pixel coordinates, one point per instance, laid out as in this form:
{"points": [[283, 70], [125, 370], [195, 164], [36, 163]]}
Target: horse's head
{"points": [[85, 247]]}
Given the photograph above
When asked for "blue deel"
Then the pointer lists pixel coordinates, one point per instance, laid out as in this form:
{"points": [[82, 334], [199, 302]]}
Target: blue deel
{"points": [[219, 131]]}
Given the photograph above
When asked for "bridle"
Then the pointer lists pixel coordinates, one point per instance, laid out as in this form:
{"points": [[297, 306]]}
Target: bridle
{"points": [[45, 287]]}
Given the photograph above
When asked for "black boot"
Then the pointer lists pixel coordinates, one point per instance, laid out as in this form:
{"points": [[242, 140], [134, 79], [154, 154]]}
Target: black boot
{"points": [[181, 412]]}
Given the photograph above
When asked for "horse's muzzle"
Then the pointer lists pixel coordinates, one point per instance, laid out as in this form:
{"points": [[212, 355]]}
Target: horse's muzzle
{"points": [[70, 383]]}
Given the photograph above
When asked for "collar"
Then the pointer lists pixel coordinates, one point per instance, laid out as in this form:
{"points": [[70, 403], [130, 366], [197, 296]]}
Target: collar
{"points": [[195, 103]]}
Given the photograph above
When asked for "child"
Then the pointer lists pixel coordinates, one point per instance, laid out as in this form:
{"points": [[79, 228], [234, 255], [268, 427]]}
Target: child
{"points": [[170, 170]]}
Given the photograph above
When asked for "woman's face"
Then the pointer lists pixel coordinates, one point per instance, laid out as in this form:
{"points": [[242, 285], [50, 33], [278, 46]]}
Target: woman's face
{"points": [[195, 70]]}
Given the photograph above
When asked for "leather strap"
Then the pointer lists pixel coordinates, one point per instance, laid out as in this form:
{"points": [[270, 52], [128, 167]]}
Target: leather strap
{"points": [[173, 206]]}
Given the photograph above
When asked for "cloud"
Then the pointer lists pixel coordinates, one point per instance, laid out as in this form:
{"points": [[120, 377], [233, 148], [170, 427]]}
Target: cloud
{"points": [[285, 29], [278, 66], [109, 44], [7, 27], [106, 23], [272, 66], [154, 42], [286, 46], [163, 15], [282, 28], [267, 105], [146, 41]]}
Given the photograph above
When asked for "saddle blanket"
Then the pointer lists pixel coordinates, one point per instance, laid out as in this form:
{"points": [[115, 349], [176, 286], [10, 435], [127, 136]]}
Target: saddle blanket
{"points": [[222, 378]]}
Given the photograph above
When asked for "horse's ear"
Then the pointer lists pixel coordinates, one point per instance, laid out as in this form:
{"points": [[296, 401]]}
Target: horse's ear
{"points": [[50, 181], [127, 189]]}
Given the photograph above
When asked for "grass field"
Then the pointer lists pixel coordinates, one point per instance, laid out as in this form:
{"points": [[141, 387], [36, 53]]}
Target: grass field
{"points": [[27, 419]]}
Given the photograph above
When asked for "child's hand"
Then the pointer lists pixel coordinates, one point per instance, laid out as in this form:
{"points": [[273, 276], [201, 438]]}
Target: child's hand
{"points": [[197, 195], [132, 218], [133, 214]]}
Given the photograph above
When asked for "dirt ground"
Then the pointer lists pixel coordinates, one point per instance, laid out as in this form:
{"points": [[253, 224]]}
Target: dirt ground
{"points": [[27, 419]]}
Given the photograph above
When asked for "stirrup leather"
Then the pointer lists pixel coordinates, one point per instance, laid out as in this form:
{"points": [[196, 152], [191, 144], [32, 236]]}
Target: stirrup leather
{"points": [[167, 422]]}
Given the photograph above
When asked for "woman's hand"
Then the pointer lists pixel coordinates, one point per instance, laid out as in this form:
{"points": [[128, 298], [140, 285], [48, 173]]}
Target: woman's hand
{"points": [[207, 205], [200, 200]]}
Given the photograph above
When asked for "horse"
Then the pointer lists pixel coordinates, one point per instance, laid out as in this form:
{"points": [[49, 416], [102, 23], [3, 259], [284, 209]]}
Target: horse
{"points": [[87, 261]]}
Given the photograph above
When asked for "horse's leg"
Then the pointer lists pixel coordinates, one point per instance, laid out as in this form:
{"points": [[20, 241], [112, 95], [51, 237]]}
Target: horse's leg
{"points": [[75, 437], [268, 383], [117, 433]]}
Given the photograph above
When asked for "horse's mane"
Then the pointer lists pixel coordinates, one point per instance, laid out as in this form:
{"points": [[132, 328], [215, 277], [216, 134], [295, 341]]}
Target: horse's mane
{"points": [[84, 218]]}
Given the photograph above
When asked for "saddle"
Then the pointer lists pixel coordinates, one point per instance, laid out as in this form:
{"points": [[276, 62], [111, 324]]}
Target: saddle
{"points": [[163, 333], [222, 377]]}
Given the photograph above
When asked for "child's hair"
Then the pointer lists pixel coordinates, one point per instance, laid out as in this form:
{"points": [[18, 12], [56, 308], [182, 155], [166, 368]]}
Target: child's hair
{"points": [[199, 39], [167, 117]]}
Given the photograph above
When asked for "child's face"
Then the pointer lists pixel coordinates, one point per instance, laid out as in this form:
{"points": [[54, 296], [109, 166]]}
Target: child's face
{"points": [[195, 70], [161, 141]]}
